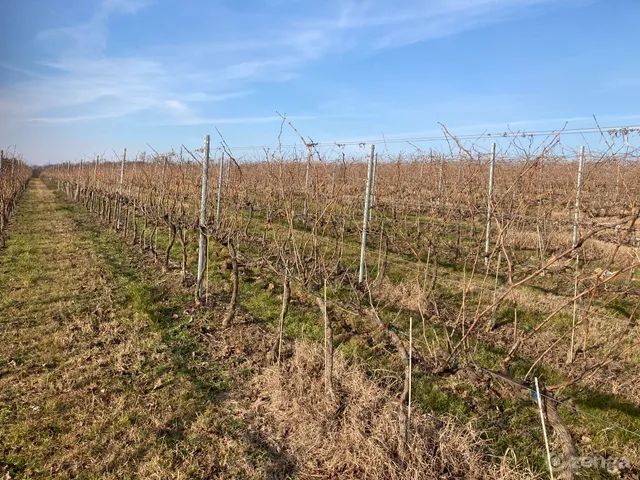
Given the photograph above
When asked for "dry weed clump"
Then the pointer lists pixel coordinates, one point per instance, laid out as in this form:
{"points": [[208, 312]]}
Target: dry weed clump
{"points": [[409, 295], [356, 435]]}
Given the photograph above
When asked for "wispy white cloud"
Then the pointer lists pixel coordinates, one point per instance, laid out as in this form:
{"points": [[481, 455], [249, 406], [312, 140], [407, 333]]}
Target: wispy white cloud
{"points": [[23, 71], [79, 118], [83, 81], [107, 7], [196, 120], [380, 24], [91, 36]]}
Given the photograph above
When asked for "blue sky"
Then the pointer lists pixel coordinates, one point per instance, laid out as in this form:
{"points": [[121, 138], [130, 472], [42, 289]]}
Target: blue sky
{"points": [[78, 77]]}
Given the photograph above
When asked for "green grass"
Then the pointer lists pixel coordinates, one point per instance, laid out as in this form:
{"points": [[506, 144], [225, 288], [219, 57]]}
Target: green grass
{"points": [[102, 372]]}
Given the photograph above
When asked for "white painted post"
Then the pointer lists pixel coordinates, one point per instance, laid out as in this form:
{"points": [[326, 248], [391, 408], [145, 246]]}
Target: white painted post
{"points": [[202, 249], [164, 174], [333, 179], [441, 179], [124, 159], [492, 168], [576, 217], [375, 179], [373, 185], [544, 429], [228, 176], [365, 221], [306, 187], [79, 182], [576, 227], [219, 204]]}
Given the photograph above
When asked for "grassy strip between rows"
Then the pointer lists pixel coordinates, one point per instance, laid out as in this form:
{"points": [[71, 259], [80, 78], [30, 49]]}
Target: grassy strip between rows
{"points": [[101, 371]]}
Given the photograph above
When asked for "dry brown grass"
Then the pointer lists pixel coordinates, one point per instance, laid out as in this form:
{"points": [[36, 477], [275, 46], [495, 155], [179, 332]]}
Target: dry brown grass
{"points": [[356, 436], [409, 295], [594, 249]]}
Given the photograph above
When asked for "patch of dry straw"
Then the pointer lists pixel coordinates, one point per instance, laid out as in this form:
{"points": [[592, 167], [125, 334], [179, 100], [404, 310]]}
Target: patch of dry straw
{"points": [[357, 434]]}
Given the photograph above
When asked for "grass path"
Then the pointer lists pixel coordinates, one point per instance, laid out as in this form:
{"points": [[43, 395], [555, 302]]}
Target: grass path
{"points": [[103, 373]]}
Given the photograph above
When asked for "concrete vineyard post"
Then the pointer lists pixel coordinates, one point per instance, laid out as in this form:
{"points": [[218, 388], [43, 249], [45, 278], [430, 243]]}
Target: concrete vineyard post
{"points": [[618, 178], [375, 179], [202, 249], [441, 179], [164, 175], [373, 184], [219, 202], [333, 179], [365, 221], [228, 181], [124, 159], [306, 187], [492, 168], [576, 227], [576, 215]]}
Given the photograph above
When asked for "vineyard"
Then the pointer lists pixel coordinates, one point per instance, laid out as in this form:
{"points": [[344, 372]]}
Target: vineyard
{"points": [[14, 175], [413, 315]]}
